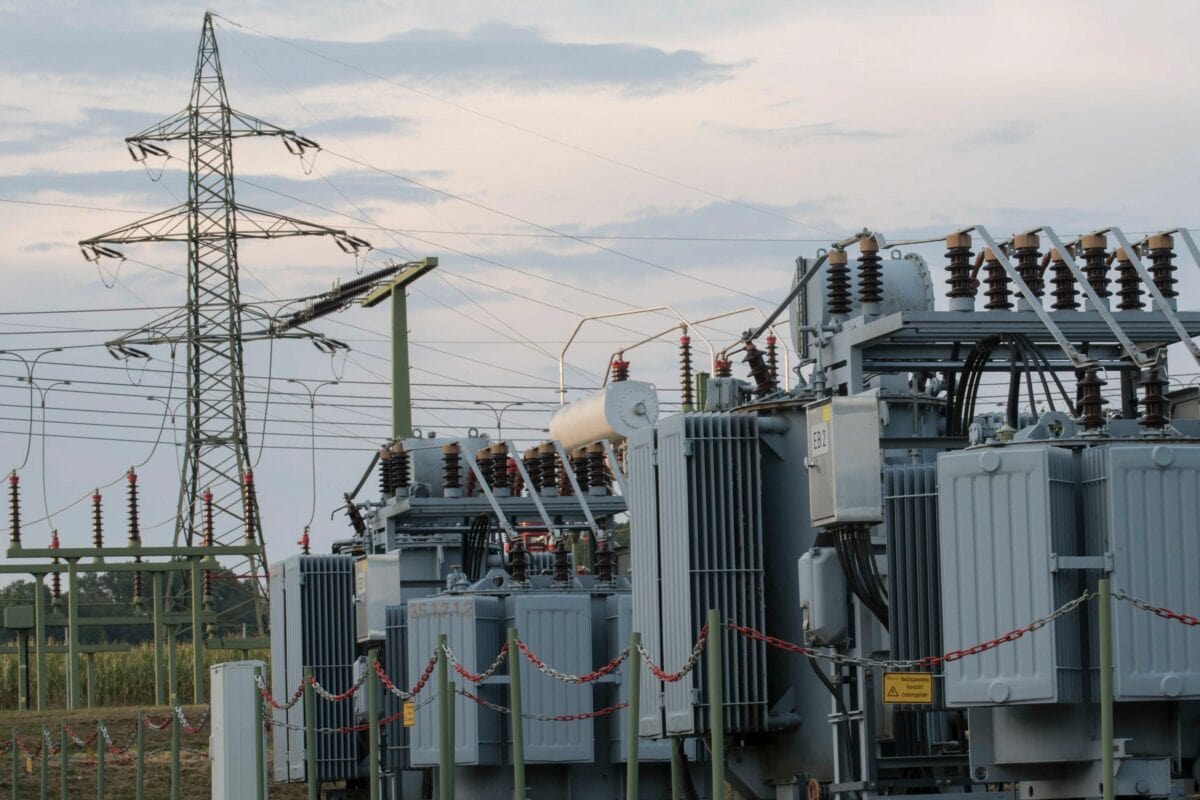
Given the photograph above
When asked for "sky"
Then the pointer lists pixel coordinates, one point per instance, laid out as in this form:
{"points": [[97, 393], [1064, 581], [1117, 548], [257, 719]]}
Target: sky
{"points": [[562, 160]]}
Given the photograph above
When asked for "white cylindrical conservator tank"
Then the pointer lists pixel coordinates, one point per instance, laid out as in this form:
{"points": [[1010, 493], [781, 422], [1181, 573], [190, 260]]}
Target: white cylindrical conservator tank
{"points": [[612, 413]]}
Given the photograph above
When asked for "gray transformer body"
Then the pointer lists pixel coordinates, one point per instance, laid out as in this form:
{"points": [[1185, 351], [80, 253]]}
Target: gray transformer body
{"points": [[879, 525]]}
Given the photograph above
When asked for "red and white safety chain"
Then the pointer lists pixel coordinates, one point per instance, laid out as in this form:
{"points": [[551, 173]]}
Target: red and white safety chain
{"points": [[155, 726], [417, 687], [48, 741], [112, 746], [325, 694], [76, 740], [590, 677], [601, 712], [188, 727], [915, 663], [477, 677], [277, 705], [688, 666], [24, 748], [1158, 611]]}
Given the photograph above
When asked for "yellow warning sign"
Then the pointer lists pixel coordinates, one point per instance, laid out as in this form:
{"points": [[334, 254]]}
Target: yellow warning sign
{"points": [[908, 687], [410, 714]]}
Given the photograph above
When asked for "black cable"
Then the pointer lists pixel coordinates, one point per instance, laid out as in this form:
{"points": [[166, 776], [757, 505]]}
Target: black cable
{"points": [[846, 735]]}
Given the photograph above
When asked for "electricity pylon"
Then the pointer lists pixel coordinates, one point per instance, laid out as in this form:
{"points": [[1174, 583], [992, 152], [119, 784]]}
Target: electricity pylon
{"points": [[217, 455]]}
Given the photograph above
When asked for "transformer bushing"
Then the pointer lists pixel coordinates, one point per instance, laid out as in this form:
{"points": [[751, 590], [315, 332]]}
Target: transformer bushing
{"points": [[452, 470], [1154, 401], [759, 372], [1065, 293], [870, 277], [620, 369], [1129, 283], [687, 396], [963, 285], [548, 456], [1162, 265], [997, 282], [1026, 256], [1091, 401], [838, 284], [1092, 247]]}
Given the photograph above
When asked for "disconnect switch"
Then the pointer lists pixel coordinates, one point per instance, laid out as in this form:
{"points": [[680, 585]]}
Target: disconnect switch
{"points": [[844, 461]]}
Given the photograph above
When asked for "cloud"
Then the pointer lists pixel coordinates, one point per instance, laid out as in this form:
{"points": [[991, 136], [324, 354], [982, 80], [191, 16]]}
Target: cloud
{"points": [[493, 54], [363, 126], [793, 135], [1003, 134]]}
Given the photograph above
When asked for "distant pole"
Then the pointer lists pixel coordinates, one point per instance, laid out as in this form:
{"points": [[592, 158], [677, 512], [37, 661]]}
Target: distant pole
{"points": [[176, 777], [23, 670], [72, 635], [518, 723], [198, 693], [39, 641], [632, 714], [139, 780], [716, 711], [89, 660], [156, 613], [1107, 768]]}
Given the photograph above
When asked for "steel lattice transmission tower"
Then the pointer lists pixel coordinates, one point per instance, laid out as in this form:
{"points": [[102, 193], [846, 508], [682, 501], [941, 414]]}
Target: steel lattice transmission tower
{"points": [[217, 457]]}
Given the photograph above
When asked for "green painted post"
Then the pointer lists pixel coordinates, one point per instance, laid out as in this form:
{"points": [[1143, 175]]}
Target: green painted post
{"points": [[139, 780], [172, 666], [100, 761], [260, 756], [39, 643], [453, 698], [72, 635], [176, 777], [44, 775], [401, 392], [518, 723], [62, 761], [1107, 769], [445, 743], [89, 659], [156, 615], [310, 736], [373, 721], [716, 707], [701, 390], [23, 670], [676, 769], [12, 747], [632, 714], [198, 693]]}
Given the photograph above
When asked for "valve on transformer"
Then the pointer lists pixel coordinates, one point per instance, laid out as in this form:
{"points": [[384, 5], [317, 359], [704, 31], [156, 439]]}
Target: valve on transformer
{"points": [[1026, 256], [620, 369], [1092, 248], [685, 372], [1065, 293], [1162, 266], [14, 510], [1091, 402], [838, 285], [550, 473], [759, 372], [963, 284], [452, 470], [870, 277], [1129, 283], [997, 282], [1154, 401]]}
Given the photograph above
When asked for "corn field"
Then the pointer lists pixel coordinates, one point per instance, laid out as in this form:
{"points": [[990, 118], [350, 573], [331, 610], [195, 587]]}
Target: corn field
{"points": [[121, 679]]}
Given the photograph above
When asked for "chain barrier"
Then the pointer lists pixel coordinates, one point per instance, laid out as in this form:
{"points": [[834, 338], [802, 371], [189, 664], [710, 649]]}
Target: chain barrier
{"points": [[590, 677], [278, 706], [1158, 611], [187, 727], [24, 748], [417, 687], [78, 742], [602, 712], [474, 677], [329, 696], [688, 666], [156, 726], [270, 721], [916, 663], [48, 741]]}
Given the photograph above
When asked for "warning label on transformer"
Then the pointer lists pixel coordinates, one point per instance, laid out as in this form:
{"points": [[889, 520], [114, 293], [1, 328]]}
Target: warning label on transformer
{"points": [[908, 687]]}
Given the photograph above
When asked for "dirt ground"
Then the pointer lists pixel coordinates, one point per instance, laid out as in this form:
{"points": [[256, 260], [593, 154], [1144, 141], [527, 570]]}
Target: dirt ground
{"points": [[119, 772]]}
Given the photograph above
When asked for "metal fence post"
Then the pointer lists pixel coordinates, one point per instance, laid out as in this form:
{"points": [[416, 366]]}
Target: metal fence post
{"points": [[156, 615], [260, 761], [676, 768], [632, 713], [518, 723], [176, 778], [62, 760], [100, 761], [451, 721], [139, 779], [89, 659], [44, 778], [1107, 771], [716, 708], [12, 747], [445, 744], [310, 736], [373, 721]]}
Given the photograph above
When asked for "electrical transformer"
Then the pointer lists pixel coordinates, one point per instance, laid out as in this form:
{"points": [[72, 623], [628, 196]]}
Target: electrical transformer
{"points": [[908, 540]]}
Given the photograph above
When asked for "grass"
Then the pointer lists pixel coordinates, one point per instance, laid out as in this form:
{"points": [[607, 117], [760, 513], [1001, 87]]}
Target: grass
{"points": [[121, 679], [119, 771]]}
